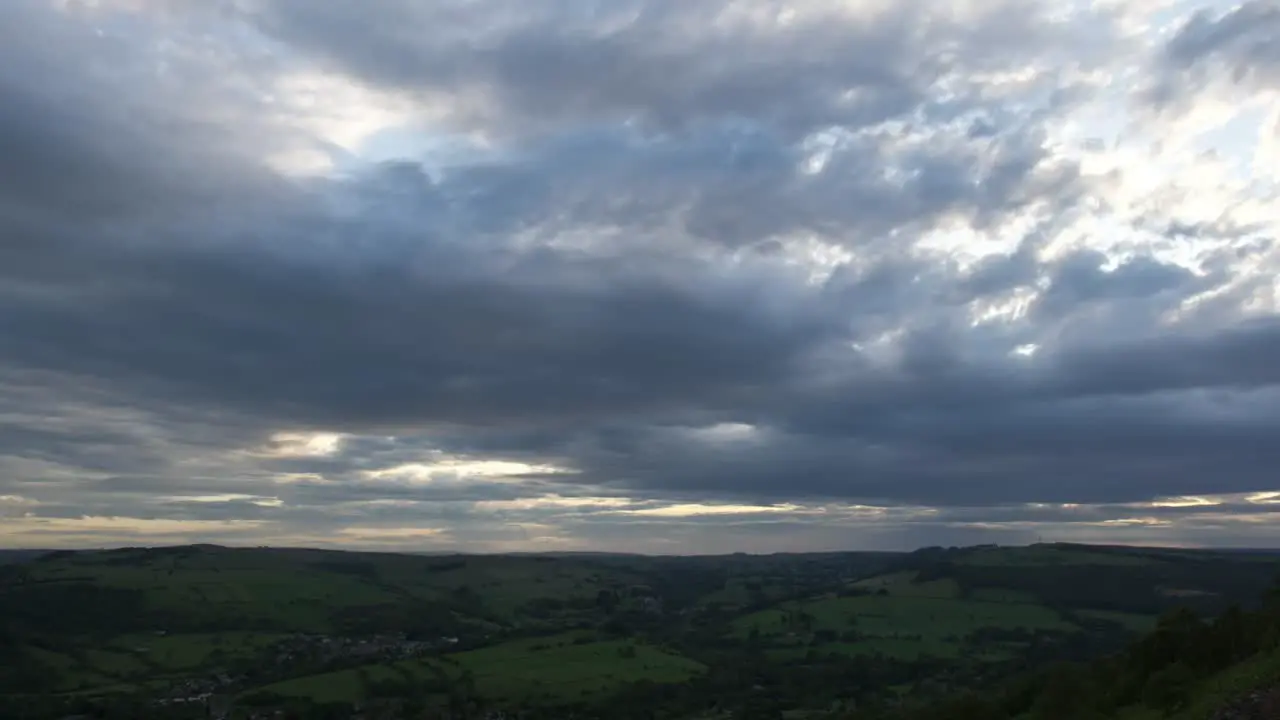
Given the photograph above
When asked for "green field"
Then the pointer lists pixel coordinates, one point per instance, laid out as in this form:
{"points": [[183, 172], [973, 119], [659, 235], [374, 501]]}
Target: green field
{"points": [[878, 615], [560, 668], [74, 674], [564, 668], [142, 658], [348, 685], [905, 584], [186, 651], [741, 591], [1132, 621], [900, 626]]}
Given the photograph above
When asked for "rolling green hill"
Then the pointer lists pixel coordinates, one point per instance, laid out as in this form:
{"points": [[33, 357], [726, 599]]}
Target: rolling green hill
{"points": [[817, 632], [1186, 668]]}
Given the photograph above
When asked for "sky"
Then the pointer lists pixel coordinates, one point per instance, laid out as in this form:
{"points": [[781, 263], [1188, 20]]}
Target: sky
{"points": [[649, 276]]}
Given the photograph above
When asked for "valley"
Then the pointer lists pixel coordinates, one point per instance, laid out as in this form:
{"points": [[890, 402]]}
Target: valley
{"points": [[202, 631]]}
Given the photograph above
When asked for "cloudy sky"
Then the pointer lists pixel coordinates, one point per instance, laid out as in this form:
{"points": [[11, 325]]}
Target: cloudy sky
{"points": [[645, 275]]}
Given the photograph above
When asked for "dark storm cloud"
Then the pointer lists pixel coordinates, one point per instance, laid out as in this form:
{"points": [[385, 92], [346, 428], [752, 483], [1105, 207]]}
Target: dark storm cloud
{"points": [[1079, 279], [386, 345], [971, 456], [588, 294], [1127, 421]]}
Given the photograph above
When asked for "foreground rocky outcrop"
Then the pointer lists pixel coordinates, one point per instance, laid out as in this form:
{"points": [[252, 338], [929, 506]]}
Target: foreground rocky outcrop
{"points": [[1257, 705]]}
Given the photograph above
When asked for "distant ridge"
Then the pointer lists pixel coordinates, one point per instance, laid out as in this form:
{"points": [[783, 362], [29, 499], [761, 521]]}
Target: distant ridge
{"points": [[28, 553]]}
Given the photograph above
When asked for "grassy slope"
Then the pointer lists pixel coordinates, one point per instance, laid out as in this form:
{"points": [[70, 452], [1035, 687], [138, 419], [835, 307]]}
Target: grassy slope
{"points": [[902, 626], [299, 590], [346, 685], [561, 669], [281, 591], [1134, 622], [909, 620], [1259, 672], [193, 650]]}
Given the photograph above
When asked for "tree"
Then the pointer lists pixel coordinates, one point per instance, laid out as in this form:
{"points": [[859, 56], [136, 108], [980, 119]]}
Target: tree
{"points": [[968, 707], [805, 620], [1065, 693], [607, 600], [1169, 690], [1231, 640], [759, 707]]}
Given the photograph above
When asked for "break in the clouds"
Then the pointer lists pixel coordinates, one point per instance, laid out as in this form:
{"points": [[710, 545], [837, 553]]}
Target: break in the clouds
{"points": [[639, 275]]}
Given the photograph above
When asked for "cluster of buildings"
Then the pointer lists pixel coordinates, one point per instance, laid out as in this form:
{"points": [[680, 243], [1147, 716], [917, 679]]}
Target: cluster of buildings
{"points": [[308, 650], [325, 648]]}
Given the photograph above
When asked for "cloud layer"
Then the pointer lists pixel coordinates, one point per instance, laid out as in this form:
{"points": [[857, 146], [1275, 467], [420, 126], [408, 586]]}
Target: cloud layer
{"points": [[656, 275]]}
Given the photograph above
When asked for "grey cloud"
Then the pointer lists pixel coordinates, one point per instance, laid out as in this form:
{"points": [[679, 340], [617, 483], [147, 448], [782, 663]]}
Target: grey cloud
{"points": [[1169, 415], [1236, 46], [646, 327], [1079, 279], [588, 294], [1243, 37], [1237, 357], [740, 183], [1049, 462], [134, 140], [667, 63], [382, 346]]}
